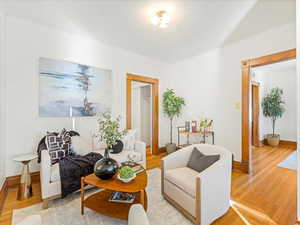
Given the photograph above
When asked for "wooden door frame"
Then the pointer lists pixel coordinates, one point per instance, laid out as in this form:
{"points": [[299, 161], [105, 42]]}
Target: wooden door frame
{"points": [[155, 105], [246, 93], [255, 120]]}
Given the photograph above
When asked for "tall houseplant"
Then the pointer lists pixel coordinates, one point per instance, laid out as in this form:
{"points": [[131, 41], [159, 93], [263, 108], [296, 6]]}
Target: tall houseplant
{"points": [[273, 108], [172, 106], [110, 133]]}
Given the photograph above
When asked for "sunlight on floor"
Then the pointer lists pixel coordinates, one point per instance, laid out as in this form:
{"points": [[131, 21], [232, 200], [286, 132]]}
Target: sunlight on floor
{"points": [[235, 206]]}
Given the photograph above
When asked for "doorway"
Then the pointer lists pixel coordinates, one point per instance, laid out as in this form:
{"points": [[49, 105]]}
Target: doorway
{"points": [[142, 108], [246, 99]]}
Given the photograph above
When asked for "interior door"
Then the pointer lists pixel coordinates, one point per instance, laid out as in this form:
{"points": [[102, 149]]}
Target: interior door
{"points": [[255, 114]]}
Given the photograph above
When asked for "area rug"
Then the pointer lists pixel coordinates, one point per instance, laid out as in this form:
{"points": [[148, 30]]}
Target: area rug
{"points": [[289, 162], [67, 211]]}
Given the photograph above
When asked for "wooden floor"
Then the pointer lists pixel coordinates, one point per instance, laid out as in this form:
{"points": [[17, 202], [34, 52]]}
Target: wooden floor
{"points": [[265, 197]]}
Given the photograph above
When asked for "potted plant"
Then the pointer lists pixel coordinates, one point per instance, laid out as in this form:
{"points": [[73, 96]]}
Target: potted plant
{"points": [[273, 107], [109, 133], [172, 106], [126, 174]]}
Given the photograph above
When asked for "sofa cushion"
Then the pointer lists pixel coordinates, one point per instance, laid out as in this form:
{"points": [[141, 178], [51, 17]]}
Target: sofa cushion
{"points": [[55, 173], [59, 146], [184, 178], [199, 162]]}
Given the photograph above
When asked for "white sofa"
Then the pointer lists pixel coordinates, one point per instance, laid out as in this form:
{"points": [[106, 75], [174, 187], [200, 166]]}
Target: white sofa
{"points": [[50, 174], [201, 197], [137, 215]]}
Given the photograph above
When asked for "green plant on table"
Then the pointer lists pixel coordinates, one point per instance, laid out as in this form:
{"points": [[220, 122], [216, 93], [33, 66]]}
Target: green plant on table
{"points": [[109, 130], [126, 172]]}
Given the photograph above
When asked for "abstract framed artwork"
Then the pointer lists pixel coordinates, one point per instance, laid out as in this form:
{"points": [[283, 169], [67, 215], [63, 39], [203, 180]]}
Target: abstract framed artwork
{"points": [[73, 90]]}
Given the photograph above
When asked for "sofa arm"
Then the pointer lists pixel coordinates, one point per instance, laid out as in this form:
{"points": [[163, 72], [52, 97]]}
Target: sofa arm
{"points": [[140, 147], [45, 173], [137, 215], [177, 159], [215, 186]]}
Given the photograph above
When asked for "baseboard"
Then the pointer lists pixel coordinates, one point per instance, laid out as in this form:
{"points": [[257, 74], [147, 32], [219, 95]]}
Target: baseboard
{"points": [[282, 142], [15, 180], [162, 150], [3, 194], [240, 166]]}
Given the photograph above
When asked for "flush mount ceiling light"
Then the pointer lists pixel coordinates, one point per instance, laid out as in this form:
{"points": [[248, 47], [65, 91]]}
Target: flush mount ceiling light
{"points": [[161, 19]]}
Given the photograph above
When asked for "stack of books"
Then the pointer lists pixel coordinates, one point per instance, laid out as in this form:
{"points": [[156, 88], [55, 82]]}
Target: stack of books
{"points": [[122, 197]]}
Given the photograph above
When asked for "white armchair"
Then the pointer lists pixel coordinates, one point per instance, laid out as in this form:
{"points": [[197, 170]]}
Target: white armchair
{"points": [[201, 197], [50, 174]]}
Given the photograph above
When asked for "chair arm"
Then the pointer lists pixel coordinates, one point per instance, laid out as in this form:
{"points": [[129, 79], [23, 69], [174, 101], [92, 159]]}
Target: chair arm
{"points": [[140, 147], [45, 174], [215, 186], [177, 159], [137, 215]]}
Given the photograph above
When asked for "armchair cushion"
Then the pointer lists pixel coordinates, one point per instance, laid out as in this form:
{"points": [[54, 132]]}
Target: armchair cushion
{"points": [[184, 178], [199, 162], [55, 174]]}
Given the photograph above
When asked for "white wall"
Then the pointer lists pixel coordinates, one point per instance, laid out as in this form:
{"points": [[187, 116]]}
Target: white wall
{"points": [[2, 102], [136, 111], [284, 78], [211, 84], [146, 114], [25, 43], [298, 107]]}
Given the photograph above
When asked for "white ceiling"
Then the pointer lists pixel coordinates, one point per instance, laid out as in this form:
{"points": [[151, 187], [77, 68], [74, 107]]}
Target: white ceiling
{"points": [[196, 25], [277, 67]]}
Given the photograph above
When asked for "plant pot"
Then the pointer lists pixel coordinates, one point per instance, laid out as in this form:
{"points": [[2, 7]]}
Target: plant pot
{"points": [[273, 139], [117, 148], [106, 167], [170, 148]]}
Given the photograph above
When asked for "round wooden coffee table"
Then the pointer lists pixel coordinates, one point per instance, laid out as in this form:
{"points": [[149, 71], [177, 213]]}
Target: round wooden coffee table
{"points": [[99, 201]]}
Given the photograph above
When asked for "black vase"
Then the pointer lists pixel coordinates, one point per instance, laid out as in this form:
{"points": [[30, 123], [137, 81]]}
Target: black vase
{"points": [[106, 167], [117, 148]]}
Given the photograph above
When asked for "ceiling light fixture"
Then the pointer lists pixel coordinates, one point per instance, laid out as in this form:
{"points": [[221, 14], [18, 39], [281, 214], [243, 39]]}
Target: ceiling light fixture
{"points": [[161, 19]]}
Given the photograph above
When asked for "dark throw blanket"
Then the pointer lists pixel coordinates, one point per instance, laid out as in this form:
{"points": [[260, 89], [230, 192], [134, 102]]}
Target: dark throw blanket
{"points": [[72, 168]]}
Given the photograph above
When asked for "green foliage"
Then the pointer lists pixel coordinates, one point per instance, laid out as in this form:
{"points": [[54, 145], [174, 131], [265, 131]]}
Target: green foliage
{"points": [[172, 104], [126, 172], [273, 105], [109, 130]]}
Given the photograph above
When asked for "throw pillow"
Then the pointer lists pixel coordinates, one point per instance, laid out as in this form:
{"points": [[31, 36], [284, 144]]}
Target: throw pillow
{"points": [[199, 162], [58, 145]]}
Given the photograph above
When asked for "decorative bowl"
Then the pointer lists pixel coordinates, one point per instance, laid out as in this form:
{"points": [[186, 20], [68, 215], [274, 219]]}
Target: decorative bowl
{"points": [[126, 180]]}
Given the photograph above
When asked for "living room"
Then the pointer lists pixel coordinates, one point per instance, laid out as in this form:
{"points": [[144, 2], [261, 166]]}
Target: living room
{"points": [[198, 54]]}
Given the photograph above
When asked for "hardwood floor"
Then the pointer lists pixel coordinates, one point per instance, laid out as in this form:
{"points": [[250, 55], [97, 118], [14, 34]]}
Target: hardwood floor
{"points": [[265, 197]]}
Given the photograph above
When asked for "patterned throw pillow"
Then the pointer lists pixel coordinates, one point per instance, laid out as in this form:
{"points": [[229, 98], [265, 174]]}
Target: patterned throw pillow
{"points": [[58, 145]]}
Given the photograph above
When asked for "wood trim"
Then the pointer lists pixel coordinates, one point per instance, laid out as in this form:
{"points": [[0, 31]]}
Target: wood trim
{"points": [[240, 166], [255, 114], [3, 194], [15, 180], [140, 78], [128, 103], [155, 106], [272, 58], [246, 92]]}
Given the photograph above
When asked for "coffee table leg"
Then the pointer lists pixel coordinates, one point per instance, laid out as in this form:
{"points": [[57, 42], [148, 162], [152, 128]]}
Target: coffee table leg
{"points": [[82, 195], [142, 198]]}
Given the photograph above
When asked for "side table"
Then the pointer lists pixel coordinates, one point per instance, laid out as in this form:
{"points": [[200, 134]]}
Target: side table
{"points": [[25, 188]]}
